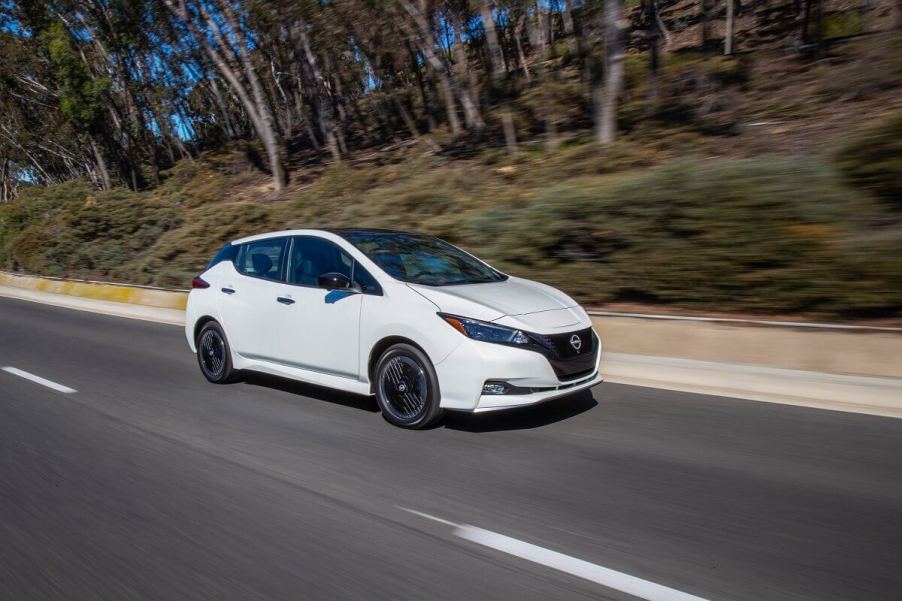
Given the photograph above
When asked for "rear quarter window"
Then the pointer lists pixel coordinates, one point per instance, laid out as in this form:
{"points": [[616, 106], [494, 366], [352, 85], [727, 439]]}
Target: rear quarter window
{"points": [[262, 259], [228, 252]]}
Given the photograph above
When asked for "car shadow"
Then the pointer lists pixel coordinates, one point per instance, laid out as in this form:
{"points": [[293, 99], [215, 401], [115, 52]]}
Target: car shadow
{"points": [[525, 418], [320, 393]]}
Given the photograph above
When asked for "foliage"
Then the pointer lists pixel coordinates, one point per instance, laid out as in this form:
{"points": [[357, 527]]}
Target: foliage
{"points": [[861, 69], [768, 235], [389, 113], [782, 236], [872, 159], [81, 97]]}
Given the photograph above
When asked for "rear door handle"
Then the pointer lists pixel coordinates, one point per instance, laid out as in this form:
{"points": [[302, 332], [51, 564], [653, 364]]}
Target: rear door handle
{"points": [[285, 300], [229, 290]]}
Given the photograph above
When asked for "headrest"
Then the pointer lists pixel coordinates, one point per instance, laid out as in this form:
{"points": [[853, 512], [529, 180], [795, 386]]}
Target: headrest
{"points": [[262, 263]]}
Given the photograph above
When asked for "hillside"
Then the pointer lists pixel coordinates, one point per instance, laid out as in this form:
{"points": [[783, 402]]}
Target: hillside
{"points": [[766, 183]]}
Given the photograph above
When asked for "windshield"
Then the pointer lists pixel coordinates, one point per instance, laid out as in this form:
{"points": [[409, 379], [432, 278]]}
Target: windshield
{"points": [[422, 259]]}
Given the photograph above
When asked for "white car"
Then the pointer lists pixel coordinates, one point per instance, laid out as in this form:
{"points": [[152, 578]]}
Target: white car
{"points": [[412, 319]]}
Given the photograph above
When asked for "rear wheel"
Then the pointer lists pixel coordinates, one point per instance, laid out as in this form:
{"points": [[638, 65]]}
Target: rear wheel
{"points": [[213, 354], [407, 387]]}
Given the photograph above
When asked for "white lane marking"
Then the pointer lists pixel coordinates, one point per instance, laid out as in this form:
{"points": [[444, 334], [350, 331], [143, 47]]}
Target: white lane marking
{"points": [[39, 380], [612, 579], [429, 517], [573, 566]]}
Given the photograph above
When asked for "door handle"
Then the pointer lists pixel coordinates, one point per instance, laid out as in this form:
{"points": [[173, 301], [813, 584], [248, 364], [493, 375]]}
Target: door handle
{"points": [[285, 300], [229, 290]]}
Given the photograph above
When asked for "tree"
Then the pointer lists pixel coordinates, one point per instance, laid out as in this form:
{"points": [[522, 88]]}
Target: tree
{"points": [[607, 96], [226, 44]]}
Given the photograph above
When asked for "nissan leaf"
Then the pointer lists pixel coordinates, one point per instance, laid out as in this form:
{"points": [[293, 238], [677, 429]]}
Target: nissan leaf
{"points": [[409, 318]]}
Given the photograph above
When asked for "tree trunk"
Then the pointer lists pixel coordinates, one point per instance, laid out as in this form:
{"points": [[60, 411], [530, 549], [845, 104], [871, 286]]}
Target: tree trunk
{"points": [[230, 132], [728, 34], [105, 182], [496, 57], [654, 44], [541, 40], [467, 83], [607, 97], [518, 32], [569, 29], [5, 192], [324, 107], [421, 85], [704, 20], [438, 68], [262, 124], [510, 133], [269, 136]]}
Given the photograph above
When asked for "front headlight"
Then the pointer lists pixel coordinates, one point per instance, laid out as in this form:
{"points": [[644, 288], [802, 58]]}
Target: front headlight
{"points": [[484, 331]]}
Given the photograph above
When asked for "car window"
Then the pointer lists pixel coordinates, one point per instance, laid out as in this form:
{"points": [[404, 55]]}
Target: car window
{"points": [[312, 257], [422, 259], [227, 253], [262, 259], [365, 280]]}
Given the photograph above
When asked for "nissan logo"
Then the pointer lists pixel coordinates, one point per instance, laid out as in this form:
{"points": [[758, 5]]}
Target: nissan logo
{"points": [[576, 342]]}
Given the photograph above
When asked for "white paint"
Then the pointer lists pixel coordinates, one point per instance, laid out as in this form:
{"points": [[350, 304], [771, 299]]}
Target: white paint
{"points": [[39, 380], [429, 517], [637, 587], [327, 338]]}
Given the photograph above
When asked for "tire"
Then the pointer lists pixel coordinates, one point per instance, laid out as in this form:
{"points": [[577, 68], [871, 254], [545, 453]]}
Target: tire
{"points": [[407, 388], [214, 356]]}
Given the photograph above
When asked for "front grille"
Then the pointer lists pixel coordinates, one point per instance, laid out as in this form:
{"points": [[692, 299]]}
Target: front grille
{"points": [[571, 355]]}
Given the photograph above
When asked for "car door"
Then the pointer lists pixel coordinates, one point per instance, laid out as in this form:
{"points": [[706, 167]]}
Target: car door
{"points": [[249, 298], [321, 329]]}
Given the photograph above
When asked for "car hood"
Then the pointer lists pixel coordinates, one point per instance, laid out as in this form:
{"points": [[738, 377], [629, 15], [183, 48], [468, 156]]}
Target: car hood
{"points": [[494, 300]]}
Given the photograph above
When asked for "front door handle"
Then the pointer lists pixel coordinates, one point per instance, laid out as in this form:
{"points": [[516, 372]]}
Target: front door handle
{"points": [[285, 300], [229, 290]]}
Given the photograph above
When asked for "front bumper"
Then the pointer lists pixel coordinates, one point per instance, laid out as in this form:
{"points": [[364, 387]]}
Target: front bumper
{"points": [[493, 402], [465, 370]]}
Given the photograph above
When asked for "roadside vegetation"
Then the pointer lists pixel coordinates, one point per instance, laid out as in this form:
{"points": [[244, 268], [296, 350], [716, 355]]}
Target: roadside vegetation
{"points": [[766, 179], [767, 234]]}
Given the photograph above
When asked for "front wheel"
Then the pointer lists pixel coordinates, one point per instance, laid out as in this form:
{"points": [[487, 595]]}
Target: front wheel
{"points": [[407, 387], [213, 355]]}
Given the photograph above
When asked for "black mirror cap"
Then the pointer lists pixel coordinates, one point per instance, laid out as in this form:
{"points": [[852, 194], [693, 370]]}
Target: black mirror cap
{"points": [[334, 281]]}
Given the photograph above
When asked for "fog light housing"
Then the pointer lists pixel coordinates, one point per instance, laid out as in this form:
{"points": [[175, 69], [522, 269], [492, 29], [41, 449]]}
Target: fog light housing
{"points": [[495, 388]]}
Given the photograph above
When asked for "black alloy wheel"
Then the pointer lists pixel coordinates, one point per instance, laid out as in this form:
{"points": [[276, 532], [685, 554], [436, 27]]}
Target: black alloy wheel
{"points": [[213, 354], [407, 387]]}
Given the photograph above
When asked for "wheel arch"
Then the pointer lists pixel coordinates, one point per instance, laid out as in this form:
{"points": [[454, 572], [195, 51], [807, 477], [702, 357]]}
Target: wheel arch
{"points": [[380, 347], [201, 322]]}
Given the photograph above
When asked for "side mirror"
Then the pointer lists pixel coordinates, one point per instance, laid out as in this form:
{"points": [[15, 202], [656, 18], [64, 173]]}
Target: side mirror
{"points": [[334, 281]]}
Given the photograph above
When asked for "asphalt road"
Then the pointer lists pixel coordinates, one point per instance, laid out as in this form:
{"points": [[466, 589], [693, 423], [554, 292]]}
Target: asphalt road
{"points": [[149, 483]]}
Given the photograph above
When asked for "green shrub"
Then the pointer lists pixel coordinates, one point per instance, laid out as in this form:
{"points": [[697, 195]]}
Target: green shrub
{"points": [[872, 159], [842, 24], [861, 69], [769, 235]]}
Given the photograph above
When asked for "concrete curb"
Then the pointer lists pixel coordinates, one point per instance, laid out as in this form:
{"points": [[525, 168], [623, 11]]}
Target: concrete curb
{"points": [[854, 394], [117, 309], [118, 293], [857, 353], [859, 372]]}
